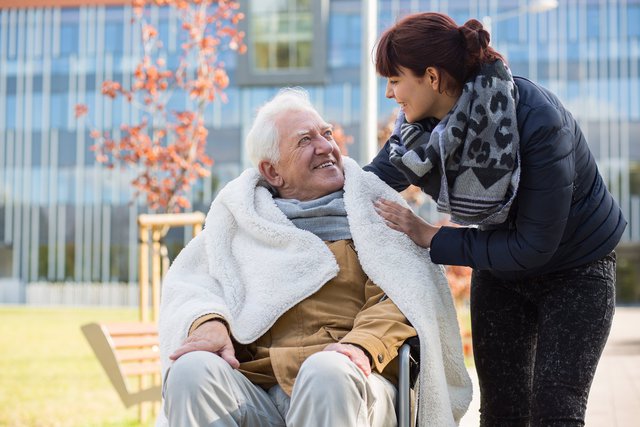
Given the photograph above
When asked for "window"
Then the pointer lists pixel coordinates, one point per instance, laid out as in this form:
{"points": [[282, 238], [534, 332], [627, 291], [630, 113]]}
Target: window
{"points": [[69, 31], [593, 21], [286, 41], [113, 40], [344, 39], [633, 17]]}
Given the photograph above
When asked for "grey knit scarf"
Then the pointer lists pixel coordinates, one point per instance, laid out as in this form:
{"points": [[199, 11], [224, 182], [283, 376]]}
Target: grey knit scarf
{"points": [[469, 161], [325, 217]]}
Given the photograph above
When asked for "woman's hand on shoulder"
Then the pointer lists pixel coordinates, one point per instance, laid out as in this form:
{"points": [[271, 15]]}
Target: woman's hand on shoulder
{"points": [[403, 219]]}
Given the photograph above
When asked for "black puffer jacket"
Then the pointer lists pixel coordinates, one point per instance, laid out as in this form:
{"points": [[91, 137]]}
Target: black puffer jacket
{"points": [[563, 216]]}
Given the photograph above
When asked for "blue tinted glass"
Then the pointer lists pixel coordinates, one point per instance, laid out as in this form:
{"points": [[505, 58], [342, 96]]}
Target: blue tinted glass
{"points": [[633, 20], [10, 117], [60, 65], [337, 35], [573, 50], [385, 106], [517, 53], [385, 17], [68, 39], [59, 110], [89, 99], [593, 21], [36, 111], [634, 112], [113, 37], [518, 68], [231, 109], [334, 104], [229, 58], [355, 25], [115, 107], [355, 102], [69, 32], [177, 102], [259, 96], [164, 34], [64, 186], [66, 148], [459, 16], [506, 30], [36, 159]]}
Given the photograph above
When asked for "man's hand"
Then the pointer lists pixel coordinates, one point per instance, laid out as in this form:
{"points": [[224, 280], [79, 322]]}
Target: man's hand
{"points": [[406, 221], [354, 353], [210, 336]]}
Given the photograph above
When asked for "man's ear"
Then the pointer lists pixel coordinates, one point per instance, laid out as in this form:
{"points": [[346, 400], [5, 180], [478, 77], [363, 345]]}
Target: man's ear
{"points": [[432, 77], [269, 172]]}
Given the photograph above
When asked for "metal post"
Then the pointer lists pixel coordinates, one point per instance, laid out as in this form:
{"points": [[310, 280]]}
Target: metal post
{"points": [[156, 272], [144, 273], [368, 88]]}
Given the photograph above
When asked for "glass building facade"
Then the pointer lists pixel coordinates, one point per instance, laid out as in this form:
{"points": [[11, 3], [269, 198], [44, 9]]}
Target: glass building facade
{"points": [[63, 217]]}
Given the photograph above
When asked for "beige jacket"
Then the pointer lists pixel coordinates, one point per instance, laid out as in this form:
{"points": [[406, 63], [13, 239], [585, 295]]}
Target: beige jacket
{"points": [[347, 309]]}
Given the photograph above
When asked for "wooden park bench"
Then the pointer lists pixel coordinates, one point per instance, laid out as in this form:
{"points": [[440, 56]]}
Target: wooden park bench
{"points": [[129, 354]]}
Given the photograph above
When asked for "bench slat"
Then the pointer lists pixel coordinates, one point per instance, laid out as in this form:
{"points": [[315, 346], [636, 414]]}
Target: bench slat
{"points": [[135, 341], [131, 328], [133, 369], [144, 354]]}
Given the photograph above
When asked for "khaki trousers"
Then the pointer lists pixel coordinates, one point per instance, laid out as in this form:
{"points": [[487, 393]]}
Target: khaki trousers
{"points": [[201, 389]]}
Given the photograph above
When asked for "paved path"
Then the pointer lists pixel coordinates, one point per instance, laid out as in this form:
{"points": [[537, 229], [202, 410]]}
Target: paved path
{"points": [[614, 400]]}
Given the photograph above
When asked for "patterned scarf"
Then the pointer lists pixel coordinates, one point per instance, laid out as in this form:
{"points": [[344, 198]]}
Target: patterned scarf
{"points": [[326, 217], [469, 161]]}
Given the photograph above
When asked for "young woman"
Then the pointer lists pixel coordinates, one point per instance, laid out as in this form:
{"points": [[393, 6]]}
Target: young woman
{"points": [[501, 154]]}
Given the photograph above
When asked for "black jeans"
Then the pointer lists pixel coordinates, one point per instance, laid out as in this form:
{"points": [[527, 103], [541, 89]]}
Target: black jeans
{"points": [[537, 343]]}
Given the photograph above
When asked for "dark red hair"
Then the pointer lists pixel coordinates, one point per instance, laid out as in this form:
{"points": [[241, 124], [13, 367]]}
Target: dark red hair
{"points": [[433, 39]]}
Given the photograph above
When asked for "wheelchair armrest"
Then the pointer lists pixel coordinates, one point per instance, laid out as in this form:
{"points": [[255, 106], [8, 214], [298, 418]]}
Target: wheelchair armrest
{"points": [[414, 359], [408, 370]]}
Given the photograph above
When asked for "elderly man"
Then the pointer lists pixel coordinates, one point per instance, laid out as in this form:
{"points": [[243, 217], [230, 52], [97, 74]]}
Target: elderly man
{"points": [[282, 312]]}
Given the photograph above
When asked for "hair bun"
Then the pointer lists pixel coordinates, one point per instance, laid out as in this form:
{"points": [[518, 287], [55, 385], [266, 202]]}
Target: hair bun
{"points": [[476, 38]]}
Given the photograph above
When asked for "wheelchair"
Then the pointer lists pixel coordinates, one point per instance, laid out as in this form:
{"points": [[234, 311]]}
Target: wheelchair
{"points": [[409, 369]]}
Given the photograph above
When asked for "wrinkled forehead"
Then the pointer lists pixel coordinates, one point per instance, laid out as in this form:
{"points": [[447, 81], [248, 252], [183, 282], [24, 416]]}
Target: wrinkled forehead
{"points": [[299, 122]]}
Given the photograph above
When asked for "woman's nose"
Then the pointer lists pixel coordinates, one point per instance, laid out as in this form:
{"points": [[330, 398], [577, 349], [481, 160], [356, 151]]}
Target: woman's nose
{"points": [[389, 91]]}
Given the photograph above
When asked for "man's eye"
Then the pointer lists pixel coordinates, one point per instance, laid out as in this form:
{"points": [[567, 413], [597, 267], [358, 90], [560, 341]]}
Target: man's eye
{"points": [[304, 140], [329, 133]]}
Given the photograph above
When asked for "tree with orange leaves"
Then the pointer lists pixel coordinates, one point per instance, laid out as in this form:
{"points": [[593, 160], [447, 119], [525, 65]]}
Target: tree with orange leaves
{"points": [[168, 147]]}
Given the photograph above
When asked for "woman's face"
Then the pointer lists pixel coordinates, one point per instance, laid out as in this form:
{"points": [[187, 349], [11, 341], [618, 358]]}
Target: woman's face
{"points": [[419, 97]]}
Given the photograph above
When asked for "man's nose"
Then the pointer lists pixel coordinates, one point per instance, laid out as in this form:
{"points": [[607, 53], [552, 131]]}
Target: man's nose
{"points": [[323, 145]]}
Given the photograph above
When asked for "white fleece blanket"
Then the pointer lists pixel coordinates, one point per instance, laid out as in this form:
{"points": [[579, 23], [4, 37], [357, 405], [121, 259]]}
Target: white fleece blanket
{"points": [[250, 264]]}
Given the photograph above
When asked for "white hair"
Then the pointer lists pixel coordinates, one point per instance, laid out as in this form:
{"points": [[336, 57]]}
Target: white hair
{"points": [[262, 142]]}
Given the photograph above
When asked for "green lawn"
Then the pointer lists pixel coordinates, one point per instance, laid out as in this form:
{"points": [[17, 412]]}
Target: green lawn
{"points": [[48, 373]]}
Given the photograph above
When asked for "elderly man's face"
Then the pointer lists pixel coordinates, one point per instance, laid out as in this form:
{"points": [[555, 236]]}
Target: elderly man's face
{"points": [[310, 164]]}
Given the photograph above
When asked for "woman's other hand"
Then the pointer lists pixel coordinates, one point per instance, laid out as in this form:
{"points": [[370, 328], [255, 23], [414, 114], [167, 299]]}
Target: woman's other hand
{"points": [[406, 221]]}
